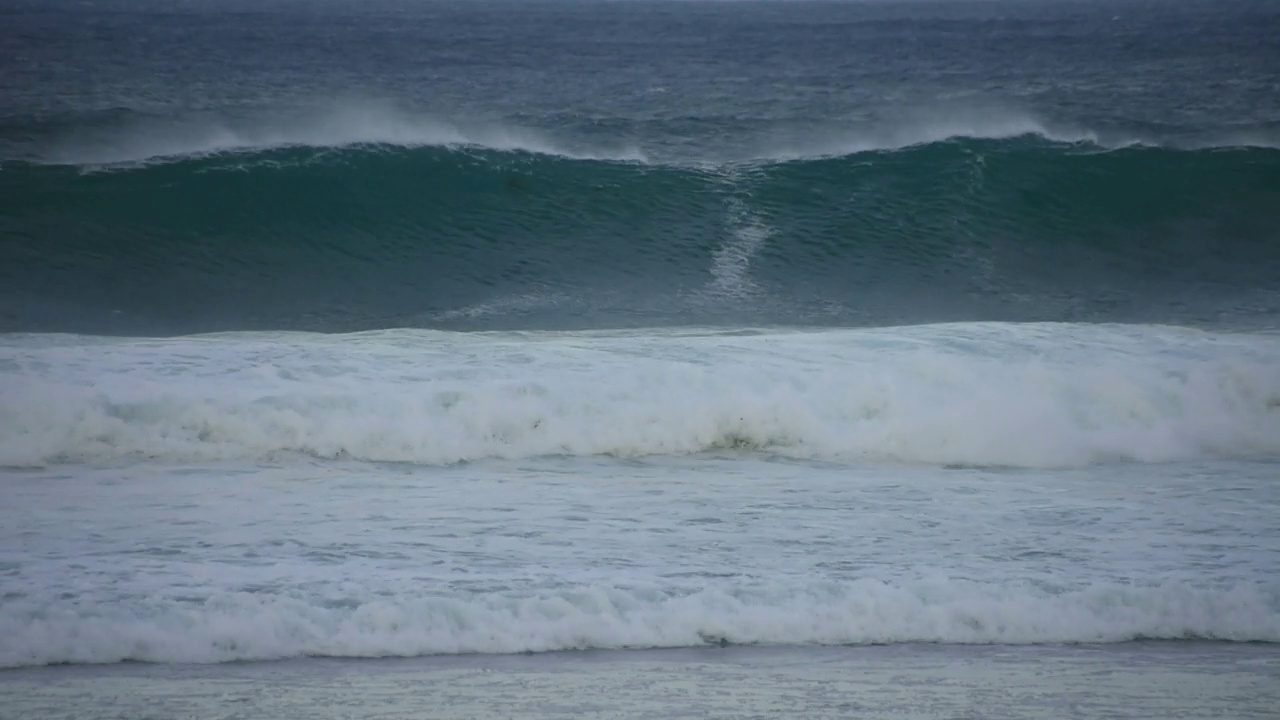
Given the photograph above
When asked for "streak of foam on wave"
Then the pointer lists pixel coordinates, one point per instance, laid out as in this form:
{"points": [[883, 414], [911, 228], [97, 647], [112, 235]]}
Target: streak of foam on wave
{"points": [[143, 140]]}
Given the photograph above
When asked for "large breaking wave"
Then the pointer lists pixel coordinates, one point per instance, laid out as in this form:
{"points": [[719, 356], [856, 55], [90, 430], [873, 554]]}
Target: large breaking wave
{"points": [[437, 231]]}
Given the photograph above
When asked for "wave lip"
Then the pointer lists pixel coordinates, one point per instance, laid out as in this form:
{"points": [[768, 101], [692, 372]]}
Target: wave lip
{"points": [[980, 394], [241, 626]]}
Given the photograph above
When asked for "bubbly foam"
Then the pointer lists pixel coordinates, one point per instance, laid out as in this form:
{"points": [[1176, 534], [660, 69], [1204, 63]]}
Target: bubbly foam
{"points": [[255, 626], [977, 394]]}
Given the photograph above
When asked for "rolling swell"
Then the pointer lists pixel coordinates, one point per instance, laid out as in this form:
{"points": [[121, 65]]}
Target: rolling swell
{"points": [[360, 237]]}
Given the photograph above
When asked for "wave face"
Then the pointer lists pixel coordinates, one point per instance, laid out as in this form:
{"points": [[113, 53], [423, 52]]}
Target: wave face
{"points": [[973, 395], [255, 626], [365, 236]]}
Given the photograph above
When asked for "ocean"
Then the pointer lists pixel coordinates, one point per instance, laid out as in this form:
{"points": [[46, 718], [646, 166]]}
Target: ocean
{"points": [[648, 358]]}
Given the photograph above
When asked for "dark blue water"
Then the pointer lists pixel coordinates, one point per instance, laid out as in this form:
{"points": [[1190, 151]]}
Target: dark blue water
{"points": [[328, 165]]}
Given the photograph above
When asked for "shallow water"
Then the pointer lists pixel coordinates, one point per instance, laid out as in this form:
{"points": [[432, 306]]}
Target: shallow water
{"points": [[1134, 680], [184, 564]]}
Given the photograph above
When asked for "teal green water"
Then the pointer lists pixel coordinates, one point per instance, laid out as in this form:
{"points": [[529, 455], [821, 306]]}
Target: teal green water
{"points": [[382, 235]]}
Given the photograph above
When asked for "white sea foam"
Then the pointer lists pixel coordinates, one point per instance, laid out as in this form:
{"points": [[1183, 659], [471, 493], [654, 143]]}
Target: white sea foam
{"points": [[260, 626], [980, 394]]}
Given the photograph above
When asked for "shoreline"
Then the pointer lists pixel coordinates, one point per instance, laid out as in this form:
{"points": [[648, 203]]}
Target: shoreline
{"points": [[1140, 679]]}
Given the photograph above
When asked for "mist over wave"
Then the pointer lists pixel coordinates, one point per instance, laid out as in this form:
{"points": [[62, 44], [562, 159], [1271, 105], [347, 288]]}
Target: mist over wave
{"points": [[125, 138]]}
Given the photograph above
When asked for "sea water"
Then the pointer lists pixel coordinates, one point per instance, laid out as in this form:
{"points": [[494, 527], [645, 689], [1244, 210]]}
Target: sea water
{"points": [[417, 494], [665, 359]]}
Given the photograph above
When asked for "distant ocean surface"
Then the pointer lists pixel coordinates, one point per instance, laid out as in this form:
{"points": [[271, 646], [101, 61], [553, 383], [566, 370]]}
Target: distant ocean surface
{"points": [[414, 329]]}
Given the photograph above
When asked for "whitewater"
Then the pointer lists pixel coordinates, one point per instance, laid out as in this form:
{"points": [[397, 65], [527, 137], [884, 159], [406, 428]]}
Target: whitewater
{"points": [[1018, 395]]}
